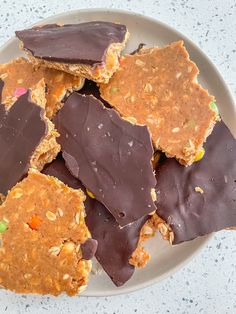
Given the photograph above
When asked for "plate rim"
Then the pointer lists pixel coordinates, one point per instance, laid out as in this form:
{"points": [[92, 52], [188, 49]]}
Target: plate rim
{"points": [[205, 239]]}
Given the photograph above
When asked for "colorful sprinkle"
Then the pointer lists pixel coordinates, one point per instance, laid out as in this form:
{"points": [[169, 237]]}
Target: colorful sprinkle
{"points": [[90, 194], [20, 91], [200, 154], [35, 222], [3, 226], [214, 107]]}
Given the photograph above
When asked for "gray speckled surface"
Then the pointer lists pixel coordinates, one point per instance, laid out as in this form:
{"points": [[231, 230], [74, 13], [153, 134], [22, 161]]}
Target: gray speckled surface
{"points": [[208, 283]]}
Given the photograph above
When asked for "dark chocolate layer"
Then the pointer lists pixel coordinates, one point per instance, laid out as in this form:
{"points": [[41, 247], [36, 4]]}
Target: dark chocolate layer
{"points": [[91, 88], [58, 170], [189, 213], [115, 245], [110, 156], [85, 43], [1, 89], [140, 46], [89, 248], [21, 130]]}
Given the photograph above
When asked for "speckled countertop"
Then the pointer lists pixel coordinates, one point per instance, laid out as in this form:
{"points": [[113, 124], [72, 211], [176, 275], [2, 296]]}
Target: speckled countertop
{"points": [[208, 283]]}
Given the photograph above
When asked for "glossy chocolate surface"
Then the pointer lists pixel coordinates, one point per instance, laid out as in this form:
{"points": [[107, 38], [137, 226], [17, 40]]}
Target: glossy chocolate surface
{"points": [[191, 213], [22, 128], [84, 43], [110, 156]]}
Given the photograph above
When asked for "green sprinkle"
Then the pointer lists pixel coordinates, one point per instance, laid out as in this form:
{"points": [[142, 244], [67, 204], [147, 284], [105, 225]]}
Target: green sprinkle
{"points": [[114, 90], [122, 53], [214, 107], [3, 226]]}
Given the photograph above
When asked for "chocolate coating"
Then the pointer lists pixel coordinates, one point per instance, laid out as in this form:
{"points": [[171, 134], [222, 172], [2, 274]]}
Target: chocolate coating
{"points": [[115, 244], [89, 248], [91, 88], [22, 128], [189, 213], [85, 43], [58, 170], [140, 46], [1, 89], [110, 156]]}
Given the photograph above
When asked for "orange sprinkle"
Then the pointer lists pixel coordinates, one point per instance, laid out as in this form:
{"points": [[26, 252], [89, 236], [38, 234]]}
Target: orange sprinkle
{"points": [[35, 222]]}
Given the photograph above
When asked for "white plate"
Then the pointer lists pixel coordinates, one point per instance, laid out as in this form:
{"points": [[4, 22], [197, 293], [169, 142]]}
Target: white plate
{"points": [[165, 259]]}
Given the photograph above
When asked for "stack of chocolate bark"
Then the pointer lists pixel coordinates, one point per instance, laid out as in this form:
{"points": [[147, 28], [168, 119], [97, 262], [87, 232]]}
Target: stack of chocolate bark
{"points": [[100, 150]]}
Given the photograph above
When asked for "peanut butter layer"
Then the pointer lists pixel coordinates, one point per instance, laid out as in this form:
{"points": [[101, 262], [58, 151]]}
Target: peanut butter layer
{"points": [[140, 256], [20, 74], [27, 137], [89, 49], [158, 87], [42, 229], [154, 224]]}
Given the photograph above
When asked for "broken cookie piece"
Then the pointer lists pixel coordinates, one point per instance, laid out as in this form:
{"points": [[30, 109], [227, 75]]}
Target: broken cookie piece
{"points": [[158, 87], [119, 249], [110, 156], [89, 49], [43, 220], [20, 75], [199, 199], [27, 138]]}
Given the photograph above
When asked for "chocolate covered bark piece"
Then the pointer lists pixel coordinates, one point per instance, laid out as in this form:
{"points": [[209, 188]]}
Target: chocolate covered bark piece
{"points": [[118, 248], [20, 74], [89, 49], [27, 138], [115, 245], [42, 230], [200, 199], [158, 87], [110, 156]]}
